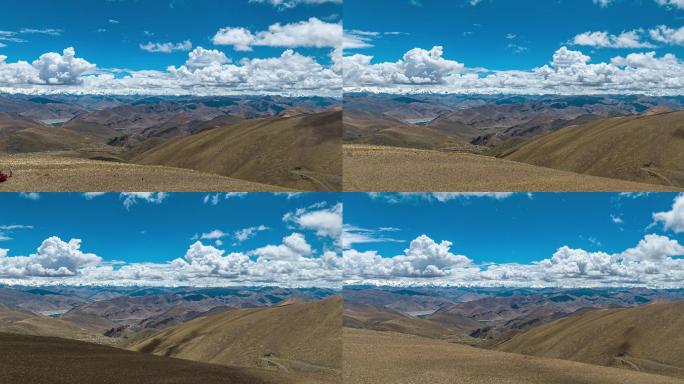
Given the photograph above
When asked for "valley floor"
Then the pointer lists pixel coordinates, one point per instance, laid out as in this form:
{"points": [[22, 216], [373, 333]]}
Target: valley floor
{"points": [[56, 173], [377, 168]]}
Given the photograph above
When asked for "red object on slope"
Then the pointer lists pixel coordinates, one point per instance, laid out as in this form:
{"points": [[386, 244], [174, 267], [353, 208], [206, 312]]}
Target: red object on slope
{"points": [[4, 176]]}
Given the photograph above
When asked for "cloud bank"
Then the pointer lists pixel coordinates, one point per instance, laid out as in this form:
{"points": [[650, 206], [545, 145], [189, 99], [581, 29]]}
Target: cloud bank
{"points": [[205, 72], [292, 263], [569, 72], [654, 262]]}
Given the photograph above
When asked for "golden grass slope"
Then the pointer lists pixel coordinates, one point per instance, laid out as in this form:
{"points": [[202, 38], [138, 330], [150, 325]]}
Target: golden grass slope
{"points": [[647, 148], [378, 169], [58, 173], [648, 338], [372, 357], [298, 337], [20, 135], [50, 360], [16, 320], [301, 152]]}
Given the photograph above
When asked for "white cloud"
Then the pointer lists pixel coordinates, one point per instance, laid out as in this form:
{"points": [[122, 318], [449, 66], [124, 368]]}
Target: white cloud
{"points": [[417, 67], [205, 73], [309, 33], [240, 38], [167, 47], [424, 258], [30, 195], [293, 263], [113, 21], [131, 198], [212, 235], [43, 31], [570, 72], [283, 4], [671, 3], [602, 39], [54, 257], [442, 197], [667, 35], [616, 219], [654, 262], [92, 195], [672, 220], [356, 235], [326, 222], [5, 230], [245, 234]]}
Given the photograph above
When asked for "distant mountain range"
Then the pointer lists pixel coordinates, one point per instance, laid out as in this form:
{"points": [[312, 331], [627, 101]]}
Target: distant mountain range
{"points": [[293, 143], [634, 138]]}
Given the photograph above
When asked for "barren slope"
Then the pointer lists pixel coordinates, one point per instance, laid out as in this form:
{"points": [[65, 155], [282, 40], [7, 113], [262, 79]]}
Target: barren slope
{"points": [[371, 168], [49, 360], [293, 337], [301, 152], [372, 357], [19, 134], [54, 173], [646, 338], [15, 320], [647, 148]]}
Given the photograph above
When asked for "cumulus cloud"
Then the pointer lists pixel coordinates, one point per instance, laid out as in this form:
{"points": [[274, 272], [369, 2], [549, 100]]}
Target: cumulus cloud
{"points": [[293, 263], [205, 73], [424, 258], [654, 262], [603, 39], [569, 72], [290, 72], [50, 69], [167, 47], [667, 35], [325, 221], [418, 66], [672, 220], [309, 33], [54, 257]]}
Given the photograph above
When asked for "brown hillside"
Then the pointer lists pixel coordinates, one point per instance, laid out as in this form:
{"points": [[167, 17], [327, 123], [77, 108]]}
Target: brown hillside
{"points": [[647, 148], [299, 337], [376, 168], [647, 338], [301, 152], [50, 360], [372, 357], [20, 135]]}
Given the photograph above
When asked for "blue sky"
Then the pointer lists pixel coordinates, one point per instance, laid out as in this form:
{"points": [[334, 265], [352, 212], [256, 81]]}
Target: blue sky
{"points": [[479, 35], [160, 228], [142, 21], [516, 47], [519, 229], [111, 34]]}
